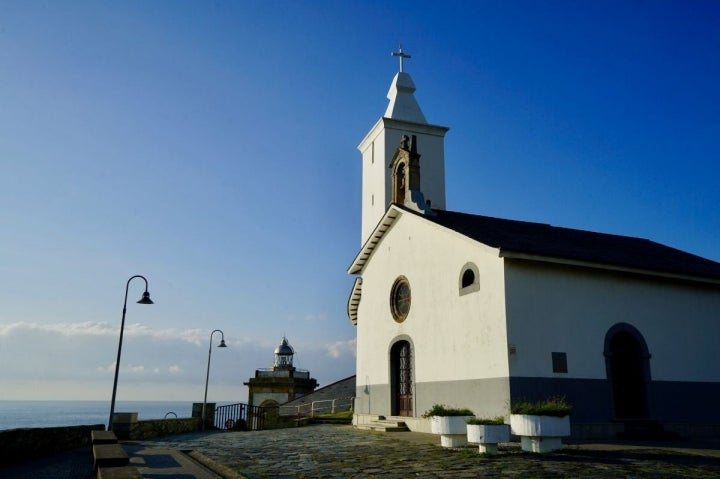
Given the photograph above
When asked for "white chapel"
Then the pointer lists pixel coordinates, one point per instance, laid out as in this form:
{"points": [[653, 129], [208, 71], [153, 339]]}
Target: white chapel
{"points": [[475, 311]]}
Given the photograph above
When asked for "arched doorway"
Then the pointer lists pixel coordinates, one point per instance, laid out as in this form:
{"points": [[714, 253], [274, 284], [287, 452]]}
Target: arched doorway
{"points": [[401, 386], [271, 411], [628, 369]]}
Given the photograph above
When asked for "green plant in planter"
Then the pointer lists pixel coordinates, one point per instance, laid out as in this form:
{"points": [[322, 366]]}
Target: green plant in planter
{"points": [[555, 406], [442, 410], [485, 421]]}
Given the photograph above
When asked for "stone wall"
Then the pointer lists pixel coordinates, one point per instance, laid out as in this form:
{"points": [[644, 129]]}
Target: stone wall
{"points": [[19, 445], [164, 427]]}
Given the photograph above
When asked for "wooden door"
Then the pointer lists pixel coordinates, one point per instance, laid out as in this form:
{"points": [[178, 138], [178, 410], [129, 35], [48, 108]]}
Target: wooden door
{"points": [[402, 386]]}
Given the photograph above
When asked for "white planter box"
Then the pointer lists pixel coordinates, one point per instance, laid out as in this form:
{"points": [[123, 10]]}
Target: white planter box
{"points": [[540, 433], [452, 430], [488, 436], [449, 424]]}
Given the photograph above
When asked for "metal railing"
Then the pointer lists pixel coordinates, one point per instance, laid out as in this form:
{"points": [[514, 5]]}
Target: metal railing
{"points": [[240, 417], [324, 406]]}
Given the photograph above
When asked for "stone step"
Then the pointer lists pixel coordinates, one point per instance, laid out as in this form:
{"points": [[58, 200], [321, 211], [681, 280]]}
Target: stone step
{"points": [[384, 425], [103, 437], [121, 472], [109, 455]]}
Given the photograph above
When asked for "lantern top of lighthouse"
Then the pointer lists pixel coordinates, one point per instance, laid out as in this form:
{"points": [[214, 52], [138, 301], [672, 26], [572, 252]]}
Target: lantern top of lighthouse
{"points": [[284, 355]]}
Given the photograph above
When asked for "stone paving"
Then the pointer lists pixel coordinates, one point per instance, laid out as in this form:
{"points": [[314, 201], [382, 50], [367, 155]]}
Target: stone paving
{"points": [[325, 451]]}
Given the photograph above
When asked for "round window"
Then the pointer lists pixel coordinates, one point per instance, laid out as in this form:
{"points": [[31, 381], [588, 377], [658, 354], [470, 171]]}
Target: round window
{"points": [[400, 299]]}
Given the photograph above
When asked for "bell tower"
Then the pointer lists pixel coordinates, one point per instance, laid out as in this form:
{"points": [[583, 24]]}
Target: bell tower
{"points": [[403, 118]]}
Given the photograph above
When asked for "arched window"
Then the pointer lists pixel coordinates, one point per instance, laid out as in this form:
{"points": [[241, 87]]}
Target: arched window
{"points": [[469, 280]]}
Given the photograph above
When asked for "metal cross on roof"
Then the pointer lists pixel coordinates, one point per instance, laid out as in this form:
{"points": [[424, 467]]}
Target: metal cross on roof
{"points": [[401, 55]]}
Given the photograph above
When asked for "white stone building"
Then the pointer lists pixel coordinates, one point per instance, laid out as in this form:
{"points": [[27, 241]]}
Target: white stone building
{"points": [[477, 312]]}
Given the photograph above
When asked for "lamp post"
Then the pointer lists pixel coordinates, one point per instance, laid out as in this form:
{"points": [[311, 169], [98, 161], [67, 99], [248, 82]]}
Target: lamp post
{"points": [[207, 375], [144, 300]]}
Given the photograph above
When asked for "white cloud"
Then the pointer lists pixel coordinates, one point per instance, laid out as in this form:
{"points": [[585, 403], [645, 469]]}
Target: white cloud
{"points": [[136, 369], [341, 348], [108, 369], [86, 328], [315, 317], [96, 328], [72, 360]]}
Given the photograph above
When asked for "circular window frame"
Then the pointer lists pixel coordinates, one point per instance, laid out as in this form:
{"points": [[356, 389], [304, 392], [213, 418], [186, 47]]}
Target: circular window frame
{"points": [[397, 309]]}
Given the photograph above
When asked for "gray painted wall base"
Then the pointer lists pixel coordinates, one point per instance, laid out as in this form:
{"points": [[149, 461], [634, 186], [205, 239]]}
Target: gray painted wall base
{"points": [[688, 403]]}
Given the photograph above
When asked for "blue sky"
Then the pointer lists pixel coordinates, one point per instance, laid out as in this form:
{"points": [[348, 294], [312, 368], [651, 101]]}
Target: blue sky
{"points": [[211, 147]]}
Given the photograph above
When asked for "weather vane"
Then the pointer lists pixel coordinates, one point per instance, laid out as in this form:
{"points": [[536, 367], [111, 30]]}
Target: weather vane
{"points": [[401, 55]]}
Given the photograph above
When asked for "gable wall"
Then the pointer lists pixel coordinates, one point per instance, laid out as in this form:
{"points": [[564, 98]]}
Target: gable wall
{"points": [[455, 338]]}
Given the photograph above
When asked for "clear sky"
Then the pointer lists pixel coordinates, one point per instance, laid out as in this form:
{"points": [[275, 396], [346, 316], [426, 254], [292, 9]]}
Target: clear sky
{"points": [[211, 147]]}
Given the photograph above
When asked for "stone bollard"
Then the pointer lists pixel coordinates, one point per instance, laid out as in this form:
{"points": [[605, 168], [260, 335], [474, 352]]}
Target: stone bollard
{"points": [[124, 424], [209, 413]]}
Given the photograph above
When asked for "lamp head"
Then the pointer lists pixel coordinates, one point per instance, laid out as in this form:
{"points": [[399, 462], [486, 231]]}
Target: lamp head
{"points": [[222, 344], [145, 299]]}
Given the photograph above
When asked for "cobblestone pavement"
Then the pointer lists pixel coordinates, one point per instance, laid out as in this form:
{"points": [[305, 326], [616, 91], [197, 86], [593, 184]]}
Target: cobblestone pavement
{"points": [[325, 451]]}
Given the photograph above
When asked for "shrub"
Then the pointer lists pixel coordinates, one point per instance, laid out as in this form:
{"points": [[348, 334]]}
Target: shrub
{"points": [[442, 410], [484, 421], [554, 406]]}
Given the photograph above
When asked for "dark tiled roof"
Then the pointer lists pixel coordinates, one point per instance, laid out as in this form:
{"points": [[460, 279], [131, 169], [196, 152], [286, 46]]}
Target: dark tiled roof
{"points": [[552, 241]]}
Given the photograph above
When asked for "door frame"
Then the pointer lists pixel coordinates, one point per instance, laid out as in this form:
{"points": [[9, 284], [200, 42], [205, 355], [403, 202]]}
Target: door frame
{"points": [[394, 366], [641, 367]]}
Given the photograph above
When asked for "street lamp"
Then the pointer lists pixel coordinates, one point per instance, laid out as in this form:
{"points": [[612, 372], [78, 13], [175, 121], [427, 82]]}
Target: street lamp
{"points": [[207, 376], [144, 300]]}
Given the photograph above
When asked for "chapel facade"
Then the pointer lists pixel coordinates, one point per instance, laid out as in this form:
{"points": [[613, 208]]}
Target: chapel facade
{"points": [[478, 312]]}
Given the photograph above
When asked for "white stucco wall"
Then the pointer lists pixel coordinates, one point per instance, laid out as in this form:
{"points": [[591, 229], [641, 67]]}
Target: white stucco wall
{"points": [[455, 338], [567, 309]]}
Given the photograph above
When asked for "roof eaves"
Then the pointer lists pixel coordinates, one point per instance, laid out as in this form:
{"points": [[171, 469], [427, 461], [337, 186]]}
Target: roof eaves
{"points": [[375, 237], [605, 266], [354, 300]]}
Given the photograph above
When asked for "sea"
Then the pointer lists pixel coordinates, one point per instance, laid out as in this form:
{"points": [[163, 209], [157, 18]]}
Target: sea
{"points": [[24, 414]]}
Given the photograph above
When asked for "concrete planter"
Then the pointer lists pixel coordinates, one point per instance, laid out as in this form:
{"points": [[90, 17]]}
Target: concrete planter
{"points": [[488, 436], [540, 433], [452, 430]]}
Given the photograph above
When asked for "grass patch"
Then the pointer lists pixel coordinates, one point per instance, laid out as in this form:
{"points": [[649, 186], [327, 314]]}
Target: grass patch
{"points": [[336, 415]]}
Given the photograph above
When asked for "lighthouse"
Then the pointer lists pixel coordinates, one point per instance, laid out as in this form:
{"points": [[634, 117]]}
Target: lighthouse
{"points": [[283, 382]]}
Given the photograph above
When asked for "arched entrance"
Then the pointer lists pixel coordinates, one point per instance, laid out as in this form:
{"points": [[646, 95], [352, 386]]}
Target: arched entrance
{"points": [[628, 369], [271, 411], [401, 386]]}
